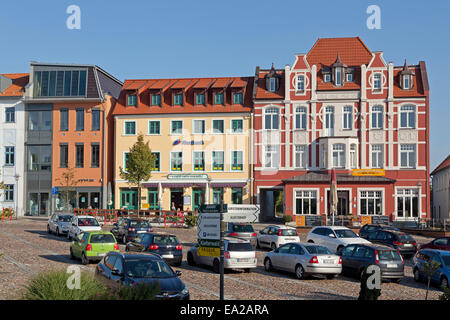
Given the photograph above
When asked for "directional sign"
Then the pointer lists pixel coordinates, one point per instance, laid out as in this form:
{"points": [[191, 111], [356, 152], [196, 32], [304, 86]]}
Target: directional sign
{"points": [[212, 208], [208, 226], [241, 213]]}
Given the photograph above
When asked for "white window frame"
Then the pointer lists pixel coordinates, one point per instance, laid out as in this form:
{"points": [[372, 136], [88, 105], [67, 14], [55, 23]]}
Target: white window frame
{"points": [[378, 151], [268, 112], [326, 77], [408, 150], [231, 160], [212, 126], [301, 155], [212, 160], [371, 195], [374, 81], [340, 155], [274, 154], [309, 195], [347, 118], [194, 127], [377, 115], [154, 134], [160, 162], [301, 113], [171, 127], [272, 84], [329, 116], [411, 192], [193, 161], [231, 126], [125, 126], [301, 81], [407, 109], [171, 158], [353, 156]]}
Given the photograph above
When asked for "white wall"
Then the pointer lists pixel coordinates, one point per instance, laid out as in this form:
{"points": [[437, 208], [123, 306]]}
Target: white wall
{"points": [[441, 194]]}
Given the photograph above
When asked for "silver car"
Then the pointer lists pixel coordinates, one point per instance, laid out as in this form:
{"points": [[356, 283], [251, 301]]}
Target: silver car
{"points": [[238, 254], [304, 259], [59, 223]]}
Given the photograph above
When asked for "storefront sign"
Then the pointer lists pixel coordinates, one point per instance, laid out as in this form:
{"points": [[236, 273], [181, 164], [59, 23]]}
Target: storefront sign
{"points": [[368, 172], [208, 252], [191, 143], [187, 176], [146, 205], [187, 200], [308, 221]]}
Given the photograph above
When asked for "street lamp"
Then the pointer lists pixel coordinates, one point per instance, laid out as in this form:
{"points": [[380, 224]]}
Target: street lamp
{"points": [[17, 176]]}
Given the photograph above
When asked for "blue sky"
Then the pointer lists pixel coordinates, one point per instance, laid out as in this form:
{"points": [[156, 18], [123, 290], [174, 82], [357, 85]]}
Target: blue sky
{"points": [[144, 39]]}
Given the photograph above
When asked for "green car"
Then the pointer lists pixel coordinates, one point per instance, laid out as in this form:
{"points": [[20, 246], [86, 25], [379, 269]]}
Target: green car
{"points": [[93, 246]]}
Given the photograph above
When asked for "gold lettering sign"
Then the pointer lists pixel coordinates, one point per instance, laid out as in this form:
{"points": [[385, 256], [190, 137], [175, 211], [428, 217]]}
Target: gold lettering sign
{"points": [[368, 172]]}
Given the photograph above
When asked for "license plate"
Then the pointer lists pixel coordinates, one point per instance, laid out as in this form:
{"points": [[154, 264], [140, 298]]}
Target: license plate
{"points": [[243, 260], [101, 254], [392, 266], [290, 239], [141, 232], [328, 261], [167, 256], [408, 245]]}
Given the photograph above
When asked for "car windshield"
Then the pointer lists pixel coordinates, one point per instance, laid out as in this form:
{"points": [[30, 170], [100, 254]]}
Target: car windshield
{"points": [[446, 259], [389, 255], [165, 239], [243, 228], [139, 224], [343, 233], [243, 246], [148, 268], [317, 250], [288, 232], [64, 218], [102, 238], [405, 237], [87, 222]]}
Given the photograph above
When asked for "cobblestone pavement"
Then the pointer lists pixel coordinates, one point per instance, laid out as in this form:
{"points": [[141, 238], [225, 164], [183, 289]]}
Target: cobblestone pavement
{"points": [[29, 249]]}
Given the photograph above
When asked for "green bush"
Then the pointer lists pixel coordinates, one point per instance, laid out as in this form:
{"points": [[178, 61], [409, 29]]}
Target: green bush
{"points": [[191, 221], [141, 291], [287, 219], [52, 285]]}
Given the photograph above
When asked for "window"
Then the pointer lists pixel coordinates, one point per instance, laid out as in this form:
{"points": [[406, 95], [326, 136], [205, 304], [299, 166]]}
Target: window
{"points": [[217, 195], [126, 157], [377, 156], [132, 100], [178, 99], [407, 155], [176, 161], [407, 116], [353, 158], [39, 158], [200, 98], [237, 161], [376, 85], [218, 161], [218, 126], [326, 77], [218, 98], [80, 119], [370, 203], [272, 156], [349, 77], [177, 127], [9, 156], [79, 158], [63, 155], [377, 117], [272, 84], [306, 202], [348, 117], [130, 127], [301, 83], [236, 195], [300, 156], [10, 114], [156, 99], [237, 126], [199, 126], [64, 119], [338, 76], [157, 164], [199, 161], [339, 155], [324, 154], [60, 83], [95, 155], [271, 117], [40, 120], [237, 98], [95, 120], [329, 121], [154, 127], [408, 203], [9, 192], [406, 82], [300, 118]]}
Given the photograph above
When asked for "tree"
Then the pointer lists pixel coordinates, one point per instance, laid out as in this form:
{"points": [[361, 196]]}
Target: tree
{"points": [[139, 165], [68, 182], [429, 268]]}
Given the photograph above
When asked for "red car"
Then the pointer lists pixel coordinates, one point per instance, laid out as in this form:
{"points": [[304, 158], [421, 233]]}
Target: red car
{"points": [[438, 243]]}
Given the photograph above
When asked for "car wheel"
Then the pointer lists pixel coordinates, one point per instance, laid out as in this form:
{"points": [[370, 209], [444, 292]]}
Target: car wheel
{"points": [[84, 259], [310, 241], [124, 239], [216, 266], [416, 275], [273, 246], [361, 276], [71, 254], [444, 282], [268, 265], [331, 276], [190, 259], [299, 272], [48, 230]]}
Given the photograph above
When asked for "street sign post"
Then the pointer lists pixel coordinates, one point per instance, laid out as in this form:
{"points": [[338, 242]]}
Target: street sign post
{"points": [[241, 213]]}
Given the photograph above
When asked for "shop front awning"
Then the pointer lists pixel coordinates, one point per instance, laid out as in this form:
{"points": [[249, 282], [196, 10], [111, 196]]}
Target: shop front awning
{"points": [[324, 177]]}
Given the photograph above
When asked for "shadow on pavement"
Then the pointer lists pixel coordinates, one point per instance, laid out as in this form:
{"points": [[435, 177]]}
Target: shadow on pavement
{"points": [[46, 235]]}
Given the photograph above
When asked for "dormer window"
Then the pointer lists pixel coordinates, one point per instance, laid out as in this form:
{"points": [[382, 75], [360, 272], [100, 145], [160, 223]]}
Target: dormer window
{"points": [[338, 77], [406, 77], [349, 77], [272, 80], [327, 77], [338, 68], [218, 98], [178, 99], [132, 100], [272, 84]]}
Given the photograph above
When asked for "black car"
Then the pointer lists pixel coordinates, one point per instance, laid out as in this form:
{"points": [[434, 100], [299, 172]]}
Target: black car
{"points": [[129, 269], [369, 228], [166, 245], [127, 229], [397, 240], [357, 257]]}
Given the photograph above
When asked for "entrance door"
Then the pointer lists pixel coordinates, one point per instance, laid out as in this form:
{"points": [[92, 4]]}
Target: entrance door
{"points": [[343, 203], [153, 198], [176, 198], [39, 204], [44, 204], [198, 198], [128, 199]]}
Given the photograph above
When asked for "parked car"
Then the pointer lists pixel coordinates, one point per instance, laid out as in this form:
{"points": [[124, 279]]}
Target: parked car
{"points": [[334, 238], [80, 224], [275, 236], [304, 259], [438, 243], [357, 257], [368, 228], [242, 231], [166, 245], [397, 240], [238, 254], [59, 223], [129, 269], [127, 229], [92, 246], [442, 257]]}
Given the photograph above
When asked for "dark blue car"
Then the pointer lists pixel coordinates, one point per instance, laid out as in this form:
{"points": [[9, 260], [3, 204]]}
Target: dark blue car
{"points": [[127, 229], [129, 269], [442, 275]]}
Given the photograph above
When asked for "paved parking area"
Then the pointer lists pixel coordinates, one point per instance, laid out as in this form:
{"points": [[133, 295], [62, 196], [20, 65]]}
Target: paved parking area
{"points": [[28, 249]]}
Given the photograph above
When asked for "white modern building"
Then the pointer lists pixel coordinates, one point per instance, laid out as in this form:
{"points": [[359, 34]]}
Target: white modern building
{"points": [[441, 190], [12, 130]]}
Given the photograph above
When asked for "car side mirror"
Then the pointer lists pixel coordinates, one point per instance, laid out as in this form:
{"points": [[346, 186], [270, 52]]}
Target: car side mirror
{"points": [[332, 235], [116, 272], [178, 273]]}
